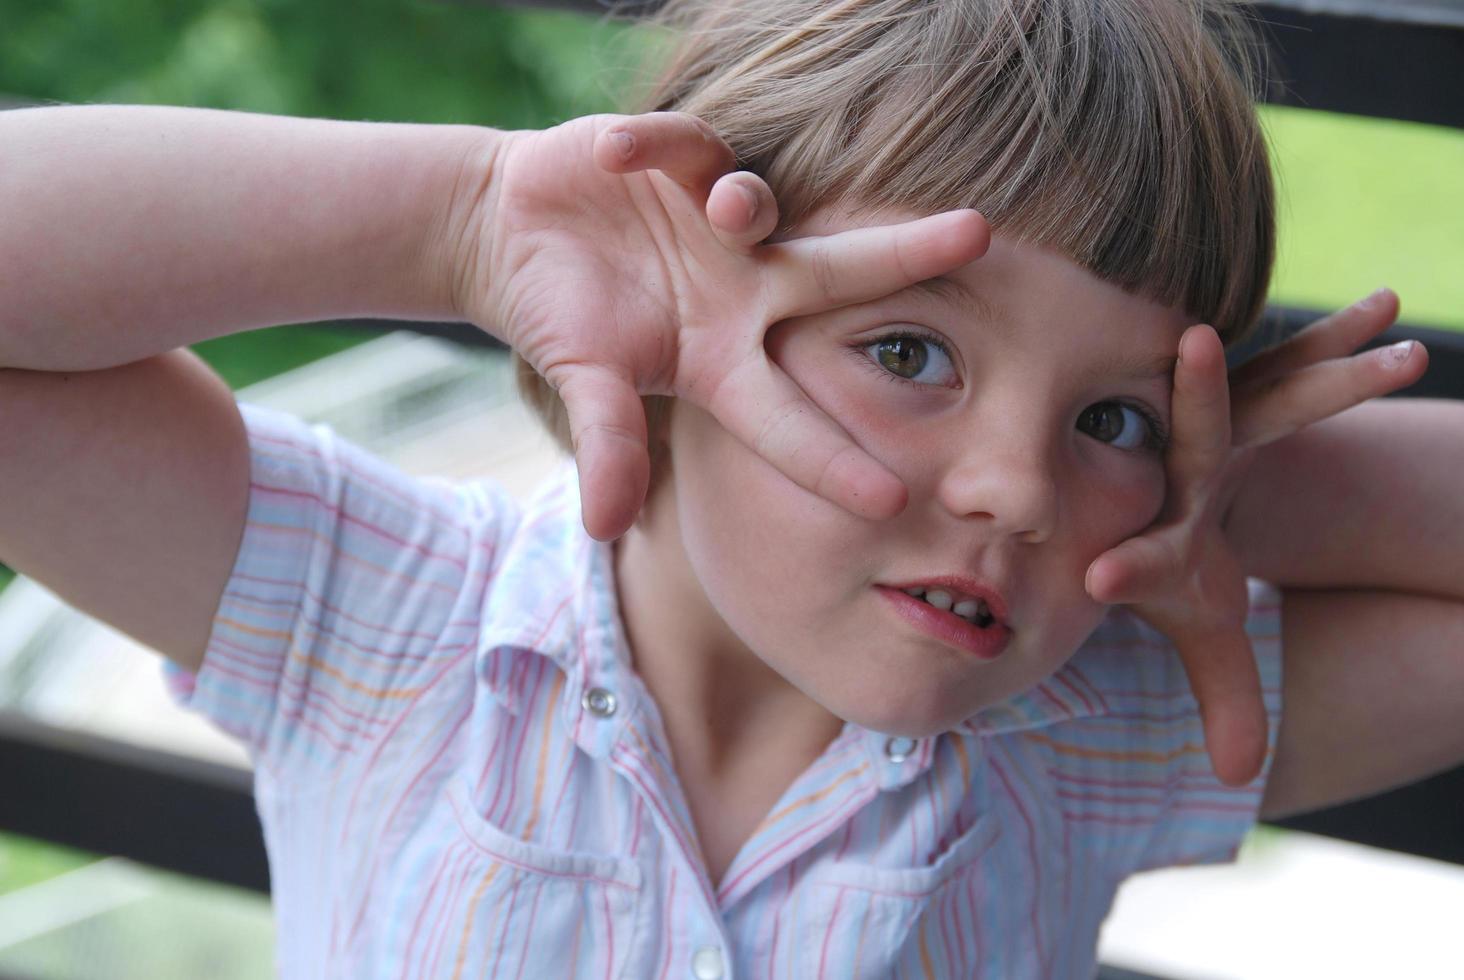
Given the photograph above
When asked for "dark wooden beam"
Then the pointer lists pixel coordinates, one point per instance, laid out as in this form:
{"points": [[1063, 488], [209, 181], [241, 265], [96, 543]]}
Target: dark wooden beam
{"points": [[101, 795]]}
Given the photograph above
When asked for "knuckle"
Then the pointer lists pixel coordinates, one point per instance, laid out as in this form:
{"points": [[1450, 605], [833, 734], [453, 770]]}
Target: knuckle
{"points": [[821, 268]]}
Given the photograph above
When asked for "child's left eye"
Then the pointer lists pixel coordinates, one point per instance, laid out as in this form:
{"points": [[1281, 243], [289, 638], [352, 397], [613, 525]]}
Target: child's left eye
{"points": [[1123, 426], [914, 358]]}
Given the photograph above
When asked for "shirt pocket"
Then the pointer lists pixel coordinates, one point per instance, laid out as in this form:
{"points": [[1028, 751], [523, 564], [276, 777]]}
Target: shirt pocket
{"points": [[861, 920], [492, 904]]}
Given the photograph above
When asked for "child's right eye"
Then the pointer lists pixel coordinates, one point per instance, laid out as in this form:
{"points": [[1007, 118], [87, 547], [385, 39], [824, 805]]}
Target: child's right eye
{"points": [[913, 357]]}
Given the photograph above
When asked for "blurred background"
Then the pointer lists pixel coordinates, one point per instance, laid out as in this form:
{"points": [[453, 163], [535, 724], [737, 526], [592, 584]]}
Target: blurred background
{"points": [[1364, 203]]}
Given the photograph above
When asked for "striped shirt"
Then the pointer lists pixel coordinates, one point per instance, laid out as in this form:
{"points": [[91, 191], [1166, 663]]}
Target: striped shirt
{"points": [[459, 774]]}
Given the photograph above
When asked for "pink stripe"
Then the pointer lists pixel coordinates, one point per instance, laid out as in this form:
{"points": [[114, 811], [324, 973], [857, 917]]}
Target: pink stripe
{"points": [[353, 473], [522, 727], [668, 930], [609, 935], [635, 832], [373, 762], [508, 905], [823, 955], [857, 793], [529, 929], [1062, 678], [438, 872], [437, 938], [1177, 781], [346, 517], [1034, 864], [1217, 809], [298, 691], [630, 766], [944, 901], [291, 606]]}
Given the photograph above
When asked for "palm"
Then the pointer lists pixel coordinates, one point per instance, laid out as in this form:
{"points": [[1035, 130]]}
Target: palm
{"points": [[615, 280], [1182, 575]]}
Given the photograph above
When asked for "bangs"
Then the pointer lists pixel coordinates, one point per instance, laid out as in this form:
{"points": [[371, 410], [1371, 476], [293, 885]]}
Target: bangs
{"points": [[1121, 133]]}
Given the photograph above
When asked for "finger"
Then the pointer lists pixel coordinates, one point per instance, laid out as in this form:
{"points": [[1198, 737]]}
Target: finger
{"points": [[742, 210], [1279, 408], [767, 411], [679, 145], [1336, 335], [1222, 673], [607, 423], [810, 275], [1200, 440], [1134, 570]]}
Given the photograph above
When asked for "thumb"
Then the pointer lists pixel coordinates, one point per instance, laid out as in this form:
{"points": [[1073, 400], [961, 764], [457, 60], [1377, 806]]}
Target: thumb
{"points": [[607, 424], [1222, 673]]}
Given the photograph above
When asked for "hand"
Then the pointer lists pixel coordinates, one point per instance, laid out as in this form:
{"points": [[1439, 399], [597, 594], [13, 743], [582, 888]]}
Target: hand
{"points": [[1180, 574], [618, 255]]}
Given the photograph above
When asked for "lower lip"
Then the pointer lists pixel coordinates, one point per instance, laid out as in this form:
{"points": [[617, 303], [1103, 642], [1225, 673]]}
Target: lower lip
{"points": [[984, 643]]}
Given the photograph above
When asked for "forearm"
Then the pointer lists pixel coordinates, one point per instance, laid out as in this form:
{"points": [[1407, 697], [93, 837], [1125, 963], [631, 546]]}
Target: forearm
{"points": [[132, 230], [1369, 499]]}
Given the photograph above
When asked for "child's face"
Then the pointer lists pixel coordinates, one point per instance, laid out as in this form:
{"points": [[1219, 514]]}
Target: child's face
{"points": [[1023, 454]]}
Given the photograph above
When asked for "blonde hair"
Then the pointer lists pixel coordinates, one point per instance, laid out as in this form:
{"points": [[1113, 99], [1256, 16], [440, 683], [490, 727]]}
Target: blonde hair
{"points": [[1121, 133]]}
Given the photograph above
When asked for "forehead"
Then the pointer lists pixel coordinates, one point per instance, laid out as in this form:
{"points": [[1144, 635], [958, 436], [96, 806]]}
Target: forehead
{"points": [[1023, 291]]}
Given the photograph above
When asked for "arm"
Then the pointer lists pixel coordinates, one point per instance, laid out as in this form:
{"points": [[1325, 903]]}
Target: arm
{"points": [[1371, 693], [132, 230], [1360, 520], [1368, 499]]}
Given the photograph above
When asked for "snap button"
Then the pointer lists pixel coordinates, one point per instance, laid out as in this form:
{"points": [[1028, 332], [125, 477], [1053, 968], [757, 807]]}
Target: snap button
{"points": [[599, 702], [706, 964], [897, 750]]}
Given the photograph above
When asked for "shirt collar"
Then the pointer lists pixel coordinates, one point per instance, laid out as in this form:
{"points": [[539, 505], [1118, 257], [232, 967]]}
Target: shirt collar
{"points": [[554, 595]]}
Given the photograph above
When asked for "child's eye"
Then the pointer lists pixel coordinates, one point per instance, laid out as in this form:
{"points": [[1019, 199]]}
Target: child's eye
{"points": [[1123, 426], [915, 358]]}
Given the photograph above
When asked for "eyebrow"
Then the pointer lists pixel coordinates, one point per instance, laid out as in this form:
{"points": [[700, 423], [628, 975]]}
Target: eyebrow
{"points": [[1135, 365], [1138, 366], [953, 291]]}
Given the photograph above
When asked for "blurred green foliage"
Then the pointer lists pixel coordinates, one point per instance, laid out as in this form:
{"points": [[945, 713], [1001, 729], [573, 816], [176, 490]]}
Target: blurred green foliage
{"points": [[402, 61]]}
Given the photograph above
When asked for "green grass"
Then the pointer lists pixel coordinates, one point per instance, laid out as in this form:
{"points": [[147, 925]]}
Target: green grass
{"points": [[25, 861], [244, 358], [1364, 203]]}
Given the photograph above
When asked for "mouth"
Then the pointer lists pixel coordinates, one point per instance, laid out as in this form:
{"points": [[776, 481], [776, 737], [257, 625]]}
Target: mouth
{"points": [[957, 617]]}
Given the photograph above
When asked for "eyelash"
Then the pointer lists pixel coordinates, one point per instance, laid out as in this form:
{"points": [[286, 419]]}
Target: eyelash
{"points": [[1155, 441], [910, 333]]}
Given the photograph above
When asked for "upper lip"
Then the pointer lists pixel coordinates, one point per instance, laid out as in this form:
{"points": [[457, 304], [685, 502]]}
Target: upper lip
{"points": [[961, 586]]}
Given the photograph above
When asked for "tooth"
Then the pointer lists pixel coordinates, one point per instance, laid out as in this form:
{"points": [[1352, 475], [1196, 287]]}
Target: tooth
{"points": [[914, 592], [966, 608], [939, 599]]}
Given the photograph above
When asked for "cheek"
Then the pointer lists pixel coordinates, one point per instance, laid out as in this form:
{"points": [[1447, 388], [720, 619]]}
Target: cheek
{"points": [[1120, 499], [738, 516]]}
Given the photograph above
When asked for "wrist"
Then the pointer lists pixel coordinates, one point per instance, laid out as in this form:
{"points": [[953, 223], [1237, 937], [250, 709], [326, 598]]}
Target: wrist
{"points": [[461, 244]]}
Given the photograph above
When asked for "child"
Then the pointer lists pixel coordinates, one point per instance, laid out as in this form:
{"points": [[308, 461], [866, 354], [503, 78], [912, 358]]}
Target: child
{"points": [[846, 696]]}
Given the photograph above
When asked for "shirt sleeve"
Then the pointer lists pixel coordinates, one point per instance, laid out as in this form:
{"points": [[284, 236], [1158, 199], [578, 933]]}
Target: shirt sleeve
{"points": [[355, 590], [1136, 782]]}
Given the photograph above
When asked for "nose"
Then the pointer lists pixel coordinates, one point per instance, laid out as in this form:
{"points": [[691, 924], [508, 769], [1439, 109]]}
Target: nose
{"points": [[1007, 483]]}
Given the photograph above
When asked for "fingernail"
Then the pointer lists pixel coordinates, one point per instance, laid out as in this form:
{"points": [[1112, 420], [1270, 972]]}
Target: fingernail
{"points": [[750, 199], [1376, 297], [624, 144], [1396, 354]]}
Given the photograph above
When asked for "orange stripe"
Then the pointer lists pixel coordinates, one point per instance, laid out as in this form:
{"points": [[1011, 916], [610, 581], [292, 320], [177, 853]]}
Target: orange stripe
{"points": [[543, 754], [927, 967], [347, 556], [959, 744], [810, 799], [1063, 748], [469, 918], [376, 692]]}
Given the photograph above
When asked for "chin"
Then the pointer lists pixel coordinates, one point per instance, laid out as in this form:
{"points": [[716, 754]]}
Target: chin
{"points": [[910, 714]]}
